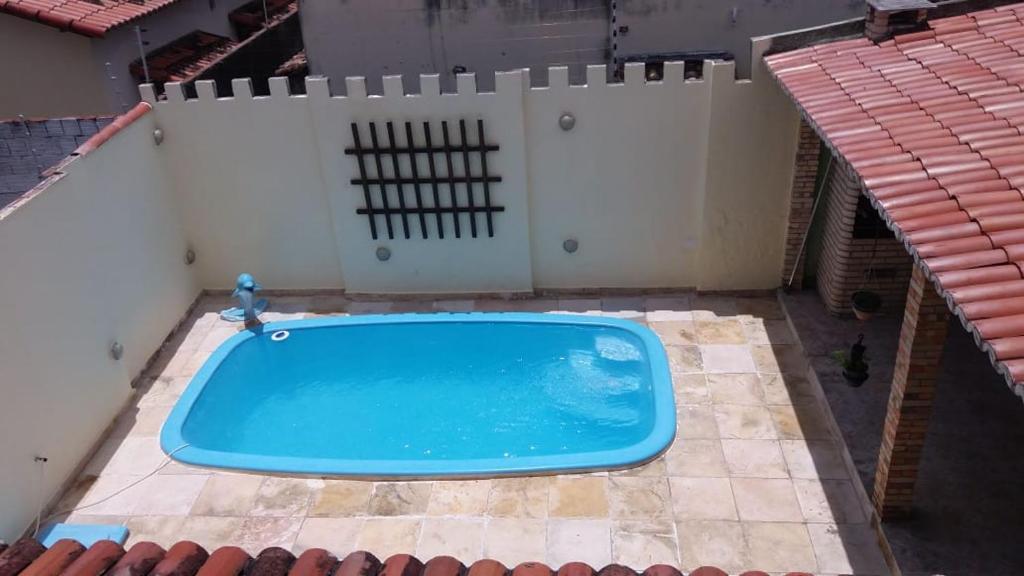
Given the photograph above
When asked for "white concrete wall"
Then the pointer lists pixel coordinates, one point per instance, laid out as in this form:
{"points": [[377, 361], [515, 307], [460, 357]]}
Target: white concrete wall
{"points": [[97, 256], [663, 184], [39, 65]]}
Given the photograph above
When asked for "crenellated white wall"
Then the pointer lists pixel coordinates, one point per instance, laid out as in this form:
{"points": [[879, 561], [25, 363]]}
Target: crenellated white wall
{"points": [[96, 256], [673, 183]]}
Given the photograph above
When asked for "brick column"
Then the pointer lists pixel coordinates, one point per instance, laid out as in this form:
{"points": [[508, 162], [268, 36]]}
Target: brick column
{"points": [[801, 202], [922, 338]]}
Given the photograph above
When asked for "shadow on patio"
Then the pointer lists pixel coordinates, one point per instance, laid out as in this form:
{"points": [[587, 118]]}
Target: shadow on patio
{"points": [[967, 502]]}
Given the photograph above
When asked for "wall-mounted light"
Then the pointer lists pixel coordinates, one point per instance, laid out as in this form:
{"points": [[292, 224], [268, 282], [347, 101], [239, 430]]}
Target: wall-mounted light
{"points": [[383, 253], [566, 121], [158, 136], [116, 350], [570, 245], [190, 256]]}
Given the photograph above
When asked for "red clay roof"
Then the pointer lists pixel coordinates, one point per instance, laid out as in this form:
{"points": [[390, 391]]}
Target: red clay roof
{"points": [[183, 59], [933, 123], [69, 558], [88, 17]]}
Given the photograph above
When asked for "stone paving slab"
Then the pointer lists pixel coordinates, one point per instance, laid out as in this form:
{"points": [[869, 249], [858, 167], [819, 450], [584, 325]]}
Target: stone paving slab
{"points": [[755, 477]]}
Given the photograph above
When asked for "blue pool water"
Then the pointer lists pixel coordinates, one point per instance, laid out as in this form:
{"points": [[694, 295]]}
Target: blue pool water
{"points": [[429, 395]]}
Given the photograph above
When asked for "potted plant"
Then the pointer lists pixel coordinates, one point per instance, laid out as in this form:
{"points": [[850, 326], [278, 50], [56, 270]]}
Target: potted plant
{"points": [[865, 304], [854, 362]]}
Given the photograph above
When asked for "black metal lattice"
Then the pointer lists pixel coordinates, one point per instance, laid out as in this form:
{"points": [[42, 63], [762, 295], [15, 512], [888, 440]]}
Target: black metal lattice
{"points": [[449, 190]]}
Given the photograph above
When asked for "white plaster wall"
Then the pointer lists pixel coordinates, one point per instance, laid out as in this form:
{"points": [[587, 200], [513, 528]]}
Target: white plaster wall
{"points": [[466, 264], [95, 257], [664, 184], [247, 174], [751, 147], [38, 65], [627, 182]]}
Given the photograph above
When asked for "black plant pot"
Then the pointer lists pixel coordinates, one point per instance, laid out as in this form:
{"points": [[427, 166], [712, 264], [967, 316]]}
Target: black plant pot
{"points": [[865, 304], [853, 378]]}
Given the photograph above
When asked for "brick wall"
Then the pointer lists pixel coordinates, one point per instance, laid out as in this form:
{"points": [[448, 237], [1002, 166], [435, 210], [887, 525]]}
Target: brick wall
{"points": [[922, 338], [801, 203], [848, 263]]}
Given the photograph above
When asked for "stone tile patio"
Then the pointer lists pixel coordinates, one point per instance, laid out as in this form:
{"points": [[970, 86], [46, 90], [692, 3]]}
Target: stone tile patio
{"points": [[755, 477]]}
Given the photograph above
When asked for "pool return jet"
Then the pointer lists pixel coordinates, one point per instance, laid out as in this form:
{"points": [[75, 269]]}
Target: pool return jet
{"points": [[250, 308]]}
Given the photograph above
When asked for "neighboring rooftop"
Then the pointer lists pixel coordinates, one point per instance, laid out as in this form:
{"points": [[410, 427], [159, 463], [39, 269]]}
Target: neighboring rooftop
{"points": [[185, 58], [87, 17], [933, 124], [28, 148], [186, 558]]}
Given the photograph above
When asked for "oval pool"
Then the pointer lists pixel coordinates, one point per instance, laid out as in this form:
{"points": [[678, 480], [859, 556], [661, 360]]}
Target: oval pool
{"points": [[428, 395]]}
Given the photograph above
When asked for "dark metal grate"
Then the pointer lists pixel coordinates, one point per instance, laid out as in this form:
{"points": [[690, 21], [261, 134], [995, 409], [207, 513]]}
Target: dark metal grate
{"points": [[439, 187]]}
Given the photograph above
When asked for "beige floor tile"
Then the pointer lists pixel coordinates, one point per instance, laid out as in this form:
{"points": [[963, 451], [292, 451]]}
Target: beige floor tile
{"points": [[761, 331], [164, 531], [169, 495], [227, 495], [779, 547], [578, 497], [459, 498], [696, 422], [455, 305], [696, 457], [341, 498], [84, 518], [785, 389], [831, 501], [744, 422], [814, 459], [462, 538], [512, 541], [135, 455], [847, 549], [702, 499], [400, 498], [784, 358], [519, 497], [578, 541], [727, 358], [684, 359], [766, 500], [754, 458], [655, 468], [257, 533], [107, 495], [760, 307], [718, 543], [669, 308], [713, 306], [678, 333], [579, 305], [142, 421], [635, 498], [802, 420], [369, 307], [691, 389], [282, 497], [641, 543], [339, 535], [211, 532], [723, 331], [735, 389], [386, 536]]}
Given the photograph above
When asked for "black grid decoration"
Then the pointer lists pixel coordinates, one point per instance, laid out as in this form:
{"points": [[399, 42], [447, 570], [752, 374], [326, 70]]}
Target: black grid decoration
{"points": [[434, 181]]}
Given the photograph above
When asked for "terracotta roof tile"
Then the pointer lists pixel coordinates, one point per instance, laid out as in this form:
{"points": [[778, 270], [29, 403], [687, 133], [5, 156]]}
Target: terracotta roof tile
{"points": [[88, 17], [185, 558], [933, 124]]}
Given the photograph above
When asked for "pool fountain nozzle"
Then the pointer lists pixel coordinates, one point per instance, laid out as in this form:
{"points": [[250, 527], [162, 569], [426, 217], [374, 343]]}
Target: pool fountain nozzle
{"points": [[250, 308]]}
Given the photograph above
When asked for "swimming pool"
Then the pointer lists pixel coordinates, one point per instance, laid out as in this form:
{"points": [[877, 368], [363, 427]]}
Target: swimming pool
{"points": [[428, 395]]}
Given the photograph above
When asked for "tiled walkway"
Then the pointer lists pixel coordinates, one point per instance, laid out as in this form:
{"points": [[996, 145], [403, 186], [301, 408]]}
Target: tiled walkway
{"points": [[754, 479]]}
